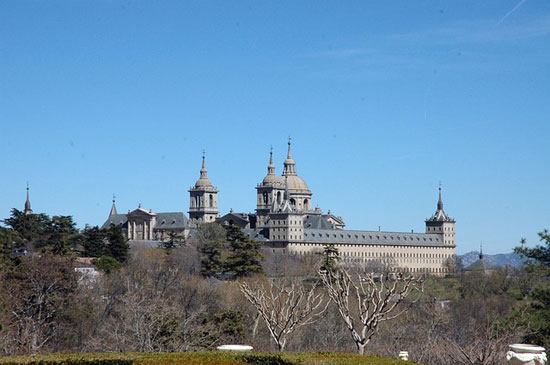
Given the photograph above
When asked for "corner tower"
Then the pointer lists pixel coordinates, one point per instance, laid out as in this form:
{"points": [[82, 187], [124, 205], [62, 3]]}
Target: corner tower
{"points": [[269, 194], [203, 199], [286, 223], [440, 223]]}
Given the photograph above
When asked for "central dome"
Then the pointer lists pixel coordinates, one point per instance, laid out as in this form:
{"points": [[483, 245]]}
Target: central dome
{"points": [[294, 182]]}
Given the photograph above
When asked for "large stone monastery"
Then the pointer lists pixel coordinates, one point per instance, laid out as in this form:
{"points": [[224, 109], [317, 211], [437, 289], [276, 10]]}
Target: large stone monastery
{"points": [[285, 222]]}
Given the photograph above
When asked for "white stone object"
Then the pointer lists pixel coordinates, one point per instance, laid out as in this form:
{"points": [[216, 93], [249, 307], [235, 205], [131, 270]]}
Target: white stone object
{"points": [[234, 348], [404, 355], [522, 354]]}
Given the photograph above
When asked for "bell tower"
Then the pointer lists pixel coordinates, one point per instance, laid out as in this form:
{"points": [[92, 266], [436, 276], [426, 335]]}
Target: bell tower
{"points": [[440, 223], [269, 194], [203, 198]]}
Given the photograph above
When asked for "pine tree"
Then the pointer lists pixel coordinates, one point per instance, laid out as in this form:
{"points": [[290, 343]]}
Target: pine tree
{"points": [[330, 258], [94, 241], [211, 244], [174, 241], [118, 245], [211, 257], [538, 314], [245, 257]]}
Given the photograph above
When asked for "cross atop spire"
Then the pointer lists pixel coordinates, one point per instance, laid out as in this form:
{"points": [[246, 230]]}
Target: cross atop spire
{"points": [[204, 172], [440, 201], [113, 207], [271, 166], [28, 209], [289, 156], [289, 162]]}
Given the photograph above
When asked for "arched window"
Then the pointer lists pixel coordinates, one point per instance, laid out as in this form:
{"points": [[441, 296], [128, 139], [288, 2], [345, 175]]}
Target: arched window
{"points": [[278, 197], [211, 200], [292, 202], [265, 198], [197, 201], [306, 204]]}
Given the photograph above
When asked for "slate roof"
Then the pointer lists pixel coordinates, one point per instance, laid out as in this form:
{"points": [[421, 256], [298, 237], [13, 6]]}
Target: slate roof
{"points": [[259, 235], [325, 236], [317, 222], [116, 219], [480, 265], [171, 220], [371, 237]]}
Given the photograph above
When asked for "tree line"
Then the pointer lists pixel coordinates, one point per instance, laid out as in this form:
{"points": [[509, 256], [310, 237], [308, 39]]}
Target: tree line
{"points": [[219, 286]]}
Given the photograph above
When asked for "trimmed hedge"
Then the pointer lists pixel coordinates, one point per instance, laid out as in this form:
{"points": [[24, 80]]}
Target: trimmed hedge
{"points": [[208, 358]]}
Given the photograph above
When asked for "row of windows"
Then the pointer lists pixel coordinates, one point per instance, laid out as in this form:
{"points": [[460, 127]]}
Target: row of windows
{"points": [[371, 237], [379, 246], [292, 237], [395, 254]]}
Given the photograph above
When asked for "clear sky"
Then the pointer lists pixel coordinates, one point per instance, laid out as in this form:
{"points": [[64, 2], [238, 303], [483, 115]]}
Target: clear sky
{"points": [[382, 99]]}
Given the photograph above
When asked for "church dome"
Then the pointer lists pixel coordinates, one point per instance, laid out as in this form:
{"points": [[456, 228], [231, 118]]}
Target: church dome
{"points": [[294, 182], [203, 181], [272, 179]]}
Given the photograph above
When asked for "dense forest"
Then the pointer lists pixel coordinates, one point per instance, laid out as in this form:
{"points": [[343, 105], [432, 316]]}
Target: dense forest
{"points": [[218, 287]]}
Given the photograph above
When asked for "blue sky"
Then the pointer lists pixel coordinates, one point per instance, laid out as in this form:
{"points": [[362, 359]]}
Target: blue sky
{"points": [[382, 99]]}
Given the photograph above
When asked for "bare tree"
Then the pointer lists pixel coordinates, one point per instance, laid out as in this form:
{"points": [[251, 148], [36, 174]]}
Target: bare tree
{"points": [[477, 332], [375, 296], [285, 306], [37, 295]]}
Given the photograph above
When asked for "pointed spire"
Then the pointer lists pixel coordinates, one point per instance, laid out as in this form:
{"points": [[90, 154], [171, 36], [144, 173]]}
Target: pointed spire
{"points": [[289, 162], [440, 201], [203, 180], [289, 155], [203, 168], [113, 207], [481, 251], [28, 209], [271, 166]]}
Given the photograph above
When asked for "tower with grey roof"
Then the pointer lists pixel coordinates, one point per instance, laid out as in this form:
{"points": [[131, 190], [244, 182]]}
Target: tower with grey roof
{"points": [[203, 199], [440, 223]]}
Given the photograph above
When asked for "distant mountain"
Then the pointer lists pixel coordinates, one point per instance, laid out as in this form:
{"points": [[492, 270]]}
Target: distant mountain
{"points": [[501, 259]]}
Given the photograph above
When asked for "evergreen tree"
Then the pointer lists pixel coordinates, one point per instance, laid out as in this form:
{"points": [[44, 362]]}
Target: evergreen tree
{"points": [[31, 227], [94, 242], [244, 258], [211, 257], [538, 314], [118, 247], [62, 234], [107, 264], [330, 258], [211, 243], [174, 241]]}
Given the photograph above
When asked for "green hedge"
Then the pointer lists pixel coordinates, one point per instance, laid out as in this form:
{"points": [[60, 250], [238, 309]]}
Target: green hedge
{"points": [[209, 358]]}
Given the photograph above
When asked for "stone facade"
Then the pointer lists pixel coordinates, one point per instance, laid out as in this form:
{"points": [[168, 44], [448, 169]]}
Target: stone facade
{"points": [[284, 221]]}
